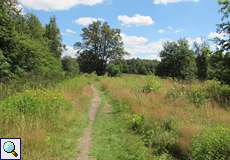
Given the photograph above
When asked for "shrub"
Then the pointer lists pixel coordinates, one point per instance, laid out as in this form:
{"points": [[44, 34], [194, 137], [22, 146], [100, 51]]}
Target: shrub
{"points": [[158, 135], [5, 72], [137, 122], [176, 91], [212, 144], [197, 95], [219, 92], [45, 105], [113, 70], [152, 84]]}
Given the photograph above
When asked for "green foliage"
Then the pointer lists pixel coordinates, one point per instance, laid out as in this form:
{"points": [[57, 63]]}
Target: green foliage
{"points": [[176, 91], [23, 47], [177, 61], [45, 119], [5, 72], [212, 144], [70, 66], [219, 67], [197, 95], [152, 84], [161, 136], [101, 42], [52, 33], [113, 70], [218, 91], [43, 104], [202, 60], [35, 28], [139, 66], [224, 26], [136, 122], [163, 157]]}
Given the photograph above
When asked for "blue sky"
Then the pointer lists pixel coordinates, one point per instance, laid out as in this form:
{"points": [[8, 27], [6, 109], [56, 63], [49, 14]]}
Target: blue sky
{"points": [[145, 24]]}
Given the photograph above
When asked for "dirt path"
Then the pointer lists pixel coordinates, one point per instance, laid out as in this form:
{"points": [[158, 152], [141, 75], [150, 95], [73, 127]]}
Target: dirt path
{"points": [[85, 142]]}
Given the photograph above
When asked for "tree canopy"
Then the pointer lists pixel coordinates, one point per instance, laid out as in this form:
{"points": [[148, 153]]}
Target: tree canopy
{"points": [[102, 43], [177, 61]]}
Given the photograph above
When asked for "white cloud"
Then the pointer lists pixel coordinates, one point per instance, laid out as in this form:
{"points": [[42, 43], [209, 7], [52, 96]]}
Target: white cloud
{"points": [[169, 29], [85, 21], [136, 20], [133, 40], [70, 31], [141, 47], [172, 1], [69, 51], [49, 5], [161, 31], [213, 35]]}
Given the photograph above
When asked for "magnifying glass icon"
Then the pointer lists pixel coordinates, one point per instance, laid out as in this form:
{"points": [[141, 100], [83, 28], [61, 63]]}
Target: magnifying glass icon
{"points": [[9, 147]]}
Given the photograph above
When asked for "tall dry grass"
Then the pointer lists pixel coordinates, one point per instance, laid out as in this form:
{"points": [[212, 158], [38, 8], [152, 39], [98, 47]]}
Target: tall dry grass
{"points": [[190, 118], [49, 121]]}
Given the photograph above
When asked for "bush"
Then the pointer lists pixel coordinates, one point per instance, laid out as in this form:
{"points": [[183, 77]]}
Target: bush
{"points": [[137, 122], [212, 144], [197, 95], [113, 70], [219, 92], [161, 136], [45, 105], [152, 84], [5, 72], [176, 91]]}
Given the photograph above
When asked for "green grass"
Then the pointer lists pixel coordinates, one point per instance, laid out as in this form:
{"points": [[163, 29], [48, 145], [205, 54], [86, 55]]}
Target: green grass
{"points": [[168, 119], [112, 140], [49, 121]]}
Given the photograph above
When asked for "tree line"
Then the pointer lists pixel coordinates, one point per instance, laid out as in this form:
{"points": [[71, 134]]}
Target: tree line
{"points": [[26, 46], [29, 48]]}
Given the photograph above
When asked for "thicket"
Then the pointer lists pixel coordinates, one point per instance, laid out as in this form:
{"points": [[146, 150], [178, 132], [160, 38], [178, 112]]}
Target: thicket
{"points": [[26, 46]]}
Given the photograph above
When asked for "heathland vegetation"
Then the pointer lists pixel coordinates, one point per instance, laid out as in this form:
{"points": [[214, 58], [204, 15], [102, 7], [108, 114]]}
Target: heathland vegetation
{"points": [[175, 108]]}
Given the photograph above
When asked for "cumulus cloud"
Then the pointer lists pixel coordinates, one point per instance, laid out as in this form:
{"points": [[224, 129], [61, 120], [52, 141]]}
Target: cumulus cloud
{"points": [[133, 40], [141, 47], [136, 20], [172, 1], [69, 51], [49, 5], [85, 21]]}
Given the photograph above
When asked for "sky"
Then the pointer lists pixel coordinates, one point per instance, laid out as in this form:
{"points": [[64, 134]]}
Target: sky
{"points": [[145, 24]]}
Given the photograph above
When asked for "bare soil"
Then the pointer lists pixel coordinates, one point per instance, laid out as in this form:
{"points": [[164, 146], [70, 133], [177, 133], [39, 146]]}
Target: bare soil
{"points": [[85, 141]]}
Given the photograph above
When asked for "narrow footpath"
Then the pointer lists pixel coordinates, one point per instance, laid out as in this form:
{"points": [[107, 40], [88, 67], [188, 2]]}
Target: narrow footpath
{"points": [[85, 141]]}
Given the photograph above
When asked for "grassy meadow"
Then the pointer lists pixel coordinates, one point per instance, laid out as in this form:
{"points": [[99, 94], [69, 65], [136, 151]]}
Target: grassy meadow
{"points": [[49, 120], [140, 118], [171, 116]]}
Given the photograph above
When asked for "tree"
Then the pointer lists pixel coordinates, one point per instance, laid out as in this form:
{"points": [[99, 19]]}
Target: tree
{"points": [[70, 65], [202, 60], [23, 48], [177, 60], [54, 36], [89, 62], [104, 42], [113, 70], [35, 29], [224, 27]]}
